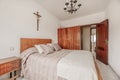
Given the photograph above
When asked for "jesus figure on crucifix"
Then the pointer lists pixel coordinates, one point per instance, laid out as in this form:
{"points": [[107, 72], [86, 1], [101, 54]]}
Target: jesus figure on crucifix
{"points": [[38, 16]]}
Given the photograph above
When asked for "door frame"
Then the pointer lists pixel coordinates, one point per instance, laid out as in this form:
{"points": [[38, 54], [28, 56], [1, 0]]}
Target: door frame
{"points": [[90, 37], [90, 32]]}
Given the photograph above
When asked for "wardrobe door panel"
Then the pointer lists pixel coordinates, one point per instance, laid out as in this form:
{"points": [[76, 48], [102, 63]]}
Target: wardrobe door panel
{"points": [[70, 38], [77, 38], [62, 37]]}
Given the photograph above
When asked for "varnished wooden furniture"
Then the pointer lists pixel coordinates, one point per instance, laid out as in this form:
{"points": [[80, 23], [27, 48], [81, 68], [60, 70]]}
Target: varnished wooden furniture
{"points": [[10, 65], [70, 38], [30, 42], [102, 41]]}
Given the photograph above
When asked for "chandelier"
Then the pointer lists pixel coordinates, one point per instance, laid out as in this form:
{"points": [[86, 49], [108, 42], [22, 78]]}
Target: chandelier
{"points": [[72, 6]]}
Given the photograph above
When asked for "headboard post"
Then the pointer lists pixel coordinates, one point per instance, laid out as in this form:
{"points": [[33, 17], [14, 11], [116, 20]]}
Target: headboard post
{"points": [[26, 43]]}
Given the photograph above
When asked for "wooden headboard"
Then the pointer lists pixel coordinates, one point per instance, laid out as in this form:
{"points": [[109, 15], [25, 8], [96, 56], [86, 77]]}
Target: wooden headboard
{"points": [[26, 43]]}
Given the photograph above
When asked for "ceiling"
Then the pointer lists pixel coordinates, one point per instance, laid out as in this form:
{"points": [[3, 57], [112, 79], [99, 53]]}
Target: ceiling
{"points": [[88, 7]]}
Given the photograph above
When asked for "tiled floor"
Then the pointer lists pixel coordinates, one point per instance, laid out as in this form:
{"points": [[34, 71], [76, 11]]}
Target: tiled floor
{"points": [[105, 70]]}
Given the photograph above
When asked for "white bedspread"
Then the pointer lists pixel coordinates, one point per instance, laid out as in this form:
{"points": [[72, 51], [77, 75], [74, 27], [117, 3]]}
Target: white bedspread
{"points": [[78, 65]]}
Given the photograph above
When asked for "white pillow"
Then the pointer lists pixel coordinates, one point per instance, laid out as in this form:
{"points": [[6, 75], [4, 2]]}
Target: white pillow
{"points": [[57, 47], [46, 49], [40, 48], [51, 45]]}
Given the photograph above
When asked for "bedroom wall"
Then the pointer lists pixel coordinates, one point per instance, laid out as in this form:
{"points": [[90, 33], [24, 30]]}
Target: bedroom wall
{"points": [[86, 38], [113, 14], [17, 21], [93, 18]]}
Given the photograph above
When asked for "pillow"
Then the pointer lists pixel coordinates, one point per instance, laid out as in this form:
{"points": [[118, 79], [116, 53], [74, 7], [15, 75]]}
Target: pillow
{"points": [[57, 47], [46, 49], [51, 45], [40, 48]]}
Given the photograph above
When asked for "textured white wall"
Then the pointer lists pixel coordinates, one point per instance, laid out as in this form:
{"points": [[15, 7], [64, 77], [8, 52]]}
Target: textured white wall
{"points": [[86, 38], [94, 18], [17, 20], [113, 14]]}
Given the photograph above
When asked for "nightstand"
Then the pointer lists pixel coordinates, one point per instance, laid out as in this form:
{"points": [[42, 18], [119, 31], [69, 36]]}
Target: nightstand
{"points": [[10, 66]]}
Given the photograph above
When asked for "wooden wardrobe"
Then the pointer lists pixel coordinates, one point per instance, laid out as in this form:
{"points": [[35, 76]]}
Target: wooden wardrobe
{"points": [[70, 38]]}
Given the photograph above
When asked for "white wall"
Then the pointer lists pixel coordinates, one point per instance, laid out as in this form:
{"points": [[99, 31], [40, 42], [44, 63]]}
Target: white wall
{"points": [[113, 14], [86, 38], [94, 18], [17, 20]]}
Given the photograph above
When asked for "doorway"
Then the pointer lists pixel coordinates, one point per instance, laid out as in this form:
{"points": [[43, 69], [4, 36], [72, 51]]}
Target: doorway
{"points": [[85, 38], [93, 40], [89, 38]]}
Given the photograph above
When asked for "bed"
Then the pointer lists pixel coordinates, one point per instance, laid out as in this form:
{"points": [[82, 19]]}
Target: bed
{"points": [[60, 65]]}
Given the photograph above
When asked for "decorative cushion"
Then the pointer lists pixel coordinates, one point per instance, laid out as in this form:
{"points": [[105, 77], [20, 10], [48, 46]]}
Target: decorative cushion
{"points": [[42, 48], [51, 45], [57, 47]]}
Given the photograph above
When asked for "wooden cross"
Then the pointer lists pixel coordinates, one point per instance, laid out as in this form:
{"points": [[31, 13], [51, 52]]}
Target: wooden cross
{"points": [[38, 16]]}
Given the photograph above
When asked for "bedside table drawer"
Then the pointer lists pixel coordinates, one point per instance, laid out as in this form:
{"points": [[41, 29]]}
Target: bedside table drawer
{"points": [[7, 67], [10, 66], [2, 68], [17, 63], [14, 64]]}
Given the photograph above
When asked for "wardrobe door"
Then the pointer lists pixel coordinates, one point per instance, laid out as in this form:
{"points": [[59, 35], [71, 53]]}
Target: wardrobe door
{"points": [[77, 38], [70, 38], [62, 38]]}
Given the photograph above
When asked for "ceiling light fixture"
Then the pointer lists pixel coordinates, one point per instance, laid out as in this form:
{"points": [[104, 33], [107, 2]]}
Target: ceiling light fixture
{"points": [[72, 6]]}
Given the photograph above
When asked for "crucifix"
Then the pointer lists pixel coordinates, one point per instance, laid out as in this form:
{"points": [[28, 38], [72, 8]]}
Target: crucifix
{"points": [[38, 16]]}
